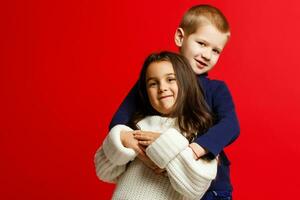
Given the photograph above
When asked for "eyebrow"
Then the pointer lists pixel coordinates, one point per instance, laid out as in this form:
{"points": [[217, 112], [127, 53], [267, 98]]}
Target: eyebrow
{"points": [[151, 78]]}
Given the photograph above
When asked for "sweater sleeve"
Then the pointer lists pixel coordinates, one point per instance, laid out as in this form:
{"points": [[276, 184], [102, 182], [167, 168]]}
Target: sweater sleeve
{"points": [[191, 177], [188, 176], [166, 147], [226, 129], [111, 158], [105, 169]]}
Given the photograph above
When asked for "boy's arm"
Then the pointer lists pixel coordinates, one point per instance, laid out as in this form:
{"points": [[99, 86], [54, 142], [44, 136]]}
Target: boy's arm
{"points": [[126, 109], [226, 129]]}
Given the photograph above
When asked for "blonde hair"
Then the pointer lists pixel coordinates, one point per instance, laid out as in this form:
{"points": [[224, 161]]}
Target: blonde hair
{"points": [[200, 15]]}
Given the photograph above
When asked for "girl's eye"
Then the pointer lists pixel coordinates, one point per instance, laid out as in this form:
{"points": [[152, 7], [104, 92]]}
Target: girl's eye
{"points": [[152, 84], [171, 79]]}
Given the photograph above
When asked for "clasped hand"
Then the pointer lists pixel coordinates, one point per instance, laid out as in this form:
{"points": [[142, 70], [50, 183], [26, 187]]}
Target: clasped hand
{"points": [[145, 138], [138, 141]]}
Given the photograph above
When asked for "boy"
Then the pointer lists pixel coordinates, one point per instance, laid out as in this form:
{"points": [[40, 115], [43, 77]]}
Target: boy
{"points": [[201, 37]]}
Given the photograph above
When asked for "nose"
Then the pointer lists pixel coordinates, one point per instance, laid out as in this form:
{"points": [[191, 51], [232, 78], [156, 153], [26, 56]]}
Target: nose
{"points": [[206, 54], [162, 87]]}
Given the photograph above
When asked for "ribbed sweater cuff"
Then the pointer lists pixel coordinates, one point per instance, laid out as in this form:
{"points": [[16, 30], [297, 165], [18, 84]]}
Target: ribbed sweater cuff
{"points": [[166, 147], [114, 149]]}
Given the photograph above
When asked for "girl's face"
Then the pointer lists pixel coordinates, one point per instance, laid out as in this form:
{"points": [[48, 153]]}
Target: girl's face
{"points": [[161, 86]]}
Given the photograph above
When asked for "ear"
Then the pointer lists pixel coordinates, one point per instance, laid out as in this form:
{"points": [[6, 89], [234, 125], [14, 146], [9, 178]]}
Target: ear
{"points": [[179, 35]]}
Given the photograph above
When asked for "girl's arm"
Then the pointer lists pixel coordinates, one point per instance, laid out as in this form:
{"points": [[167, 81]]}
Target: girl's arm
{"points": [[171, 151], [105, 169], [191, 177], [111, 158]]}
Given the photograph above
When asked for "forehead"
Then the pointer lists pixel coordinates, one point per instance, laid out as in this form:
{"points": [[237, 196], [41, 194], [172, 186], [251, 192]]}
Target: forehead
{"points": [[159, 69], [210, 34]]}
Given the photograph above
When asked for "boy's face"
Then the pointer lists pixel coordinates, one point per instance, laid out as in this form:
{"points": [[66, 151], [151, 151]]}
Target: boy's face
{"points": [[202, 48]]}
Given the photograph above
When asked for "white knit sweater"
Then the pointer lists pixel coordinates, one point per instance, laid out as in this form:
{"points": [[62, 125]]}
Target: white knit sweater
{"points": [[186, 178]]}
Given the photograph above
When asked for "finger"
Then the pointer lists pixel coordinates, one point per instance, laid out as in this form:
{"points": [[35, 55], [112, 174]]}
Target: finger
{"points": [[141, 137], [142, 157], [142, 153], [147, 162], [150, 165], [149, 133], [145, 143], [143, 148], [146, 158], [145, 133], [138, 150], [158, 171], [136, 132]]}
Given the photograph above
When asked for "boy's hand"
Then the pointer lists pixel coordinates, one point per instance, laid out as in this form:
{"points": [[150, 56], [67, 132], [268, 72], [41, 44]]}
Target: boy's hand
{"points": [[129, 141], [145, 138], [198, 150]]}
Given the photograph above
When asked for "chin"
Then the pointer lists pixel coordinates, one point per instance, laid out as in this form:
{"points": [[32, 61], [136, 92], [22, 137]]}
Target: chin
{"points": [[165, 111], [198, 72]]}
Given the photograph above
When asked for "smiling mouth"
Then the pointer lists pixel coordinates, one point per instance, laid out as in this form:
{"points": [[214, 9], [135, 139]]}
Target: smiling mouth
{"points": [[201, 64], [165, 97]]}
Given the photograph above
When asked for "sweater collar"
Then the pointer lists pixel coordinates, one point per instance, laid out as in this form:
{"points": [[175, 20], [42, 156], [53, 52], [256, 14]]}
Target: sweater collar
{"points": [[156, 123]]}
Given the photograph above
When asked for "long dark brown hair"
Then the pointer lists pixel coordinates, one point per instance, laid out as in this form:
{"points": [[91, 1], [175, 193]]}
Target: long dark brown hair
{"points": [[192, 114]]}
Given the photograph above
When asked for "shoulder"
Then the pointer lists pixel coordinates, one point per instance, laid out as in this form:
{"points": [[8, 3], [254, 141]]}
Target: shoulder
{"points": [[211, 81], [212, 84]]}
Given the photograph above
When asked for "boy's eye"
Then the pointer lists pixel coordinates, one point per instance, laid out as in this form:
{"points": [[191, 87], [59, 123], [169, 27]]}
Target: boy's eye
{"points": [[216, 51], [202, 44]]}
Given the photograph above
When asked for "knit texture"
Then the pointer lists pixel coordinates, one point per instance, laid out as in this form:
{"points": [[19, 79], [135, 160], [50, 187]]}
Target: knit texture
{"points": [[185, 179]]}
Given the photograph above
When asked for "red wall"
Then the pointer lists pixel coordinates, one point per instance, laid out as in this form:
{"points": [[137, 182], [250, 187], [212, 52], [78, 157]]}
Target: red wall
{"points": [[66, 66]]}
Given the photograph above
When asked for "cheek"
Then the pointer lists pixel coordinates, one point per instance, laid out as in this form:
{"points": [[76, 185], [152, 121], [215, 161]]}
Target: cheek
{"points": [[188, 49], [215, 59], [151, 96], [175, 91], [192, 49]]}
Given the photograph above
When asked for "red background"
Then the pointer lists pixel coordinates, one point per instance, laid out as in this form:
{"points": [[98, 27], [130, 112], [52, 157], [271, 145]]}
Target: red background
{"points": [[66, 66]]}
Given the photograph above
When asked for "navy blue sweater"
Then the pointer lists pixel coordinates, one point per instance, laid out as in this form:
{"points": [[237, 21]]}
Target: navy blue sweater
{"points": [[223, 133]]}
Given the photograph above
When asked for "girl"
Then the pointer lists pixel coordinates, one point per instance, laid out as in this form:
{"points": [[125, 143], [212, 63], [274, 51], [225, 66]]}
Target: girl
{"points": [[172, 112]]}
